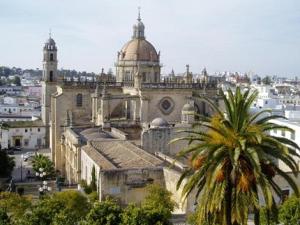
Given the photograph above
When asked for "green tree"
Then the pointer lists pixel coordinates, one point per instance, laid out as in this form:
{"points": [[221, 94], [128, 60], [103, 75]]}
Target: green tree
{"points": [[107, 212], [14, 204], [66, 217], [7, 164], [232, 156], [59, 206], [289, 213], [17, 81], [156, 209], [4, 219], [158, 204], [133, 215], [41, 161], [93, 184], [267, 80], [43, 212], [73, 200]]}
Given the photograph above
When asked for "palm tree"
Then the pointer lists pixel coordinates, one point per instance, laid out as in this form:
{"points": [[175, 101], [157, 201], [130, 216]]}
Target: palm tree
{"points": [[41, 161], [234, 159]]}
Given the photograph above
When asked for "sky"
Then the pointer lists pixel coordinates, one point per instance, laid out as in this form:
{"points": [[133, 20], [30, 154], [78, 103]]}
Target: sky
{"points": [[257, 36]]}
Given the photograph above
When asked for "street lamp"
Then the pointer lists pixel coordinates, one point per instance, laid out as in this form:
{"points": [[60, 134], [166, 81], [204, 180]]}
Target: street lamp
{"points": [[22, 158], [43, 188]]}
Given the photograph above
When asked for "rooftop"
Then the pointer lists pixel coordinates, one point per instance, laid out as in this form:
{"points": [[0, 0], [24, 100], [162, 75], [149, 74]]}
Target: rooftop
{"points": [[91, 133], [117, 154], [20, 124]]}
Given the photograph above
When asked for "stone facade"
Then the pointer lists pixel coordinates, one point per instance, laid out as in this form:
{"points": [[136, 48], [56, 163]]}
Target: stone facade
{"points": [[120, 125]]}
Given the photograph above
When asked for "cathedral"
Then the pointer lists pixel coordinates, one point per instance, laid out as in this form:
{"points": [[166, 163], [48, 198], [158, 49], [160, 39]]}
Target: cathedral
{"points": [[121, 124]]}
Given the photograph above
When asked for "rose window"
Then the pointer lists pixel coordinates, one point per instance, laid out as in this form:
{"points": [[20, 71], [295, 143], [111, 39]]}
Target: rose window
{"points": [[166, 105]]}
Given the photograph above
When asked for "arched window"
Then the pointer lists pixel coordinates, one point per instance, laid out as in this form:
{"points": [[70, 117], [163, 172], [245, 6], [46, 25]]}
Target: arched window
{"points": [[79, 100], [51, 57], [51, 76]]}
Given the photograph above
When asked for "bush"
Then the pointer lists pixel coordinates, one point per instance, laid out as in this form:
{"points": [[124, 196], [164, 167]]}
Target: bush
{"points": [[105, 212], [86, 188], [134, 215], [14, 204], [61, 208], [20, 190], [93, 197], [4, 219], [289, 213], [159, 201], [83, 183], [65, 217], [268, 218]]}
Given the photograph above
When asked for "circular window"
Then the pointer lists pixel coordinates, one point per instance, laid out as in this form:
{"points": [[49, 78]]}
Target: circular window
{"points": [[166, 105]]}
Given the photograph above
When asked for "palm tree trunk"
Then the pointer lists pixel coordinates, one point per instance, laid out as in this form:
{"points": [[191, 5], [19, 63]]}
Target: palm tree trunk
{"points": [[228, 201], [256, 217], [256, 211]]}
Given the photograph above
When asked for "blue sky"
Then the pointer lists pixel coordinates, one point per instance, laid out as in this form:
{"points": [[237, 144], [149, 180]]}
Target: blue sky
{"points": [[262, 36]]}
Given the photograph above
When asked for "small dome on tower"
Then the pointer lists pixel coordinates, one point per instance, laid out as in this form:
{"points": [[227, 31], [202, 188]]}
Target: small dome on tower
{"points": [[188, 108], [50, 44], [188, 113], [159, 122], [50, 41]]}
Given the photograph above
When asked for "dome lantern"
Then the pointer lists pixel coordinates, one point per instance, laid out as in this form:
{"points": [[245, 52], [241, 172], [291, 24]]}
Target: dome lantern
{"points": [[139, 28], [50, 44]]}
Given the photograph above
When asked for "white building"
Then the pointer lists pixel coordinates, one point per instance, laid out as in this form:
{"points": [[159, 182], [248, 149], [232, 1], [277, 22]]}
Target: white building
{"points": [[28, 135], [267, 103], [295, 125], [34, 91], [11, 89], [294, 136], [14, 118]]}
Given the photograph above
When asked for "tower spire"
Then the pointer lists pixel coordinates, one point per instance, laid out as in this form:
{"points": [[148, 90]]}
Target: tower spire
{"points": [[50, 33]]}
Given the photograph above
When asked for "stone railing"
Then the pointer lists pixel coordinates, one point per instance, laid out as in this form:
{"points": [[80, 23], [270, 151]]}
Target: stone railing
{"points": [[164, 85], [92, 84], [180, 85]]}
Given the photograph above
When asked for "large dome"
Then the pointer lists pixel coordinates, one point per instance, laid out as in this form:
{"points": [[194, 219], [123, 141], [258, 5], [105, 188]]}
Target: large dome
{"points": [[139, 50]]}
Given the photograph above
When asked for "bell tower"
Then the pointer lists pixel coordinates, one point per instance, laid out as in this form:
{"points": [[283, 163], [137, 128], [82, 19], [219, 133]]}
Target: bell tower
{"points": [[49, 82], [50, 61]]}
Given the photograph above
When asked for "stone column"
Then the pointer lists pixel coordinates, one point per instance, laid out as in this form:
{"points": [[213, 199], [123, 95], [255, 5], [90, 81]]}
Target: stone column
{"points": [[63, 152], [78, 164], [144, 110], [136, 112], [127, 109]]}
